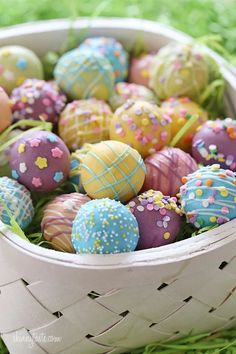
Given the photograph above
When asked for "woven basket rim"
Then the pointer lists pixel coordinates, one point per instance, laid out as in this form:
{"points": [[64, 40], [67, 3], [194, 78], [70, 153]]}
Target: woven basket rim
{"points": [[206, 242]]}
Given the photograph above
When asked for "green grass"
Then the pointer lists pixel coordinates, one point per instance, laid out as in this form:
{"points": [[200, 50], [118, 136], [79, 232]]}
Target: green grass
{"points": [[196, 17]]}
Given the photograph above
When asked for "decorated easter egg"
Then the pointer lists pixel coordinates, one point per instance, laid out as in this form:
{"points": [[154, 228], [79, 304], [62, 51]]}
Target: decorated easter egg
{"points": [[215, 142], [113, 170], [208, 196], [140, 69], [125, 91], [158, 217], [76, 160], [58, 216], [182, 70], [37, 99], [16, 65], [40, 160], [104, 226], [166, 168], [82, 74], [5, 110], [141, 125], [18, 200], [112, 50], [84, 121], [181, 110]]}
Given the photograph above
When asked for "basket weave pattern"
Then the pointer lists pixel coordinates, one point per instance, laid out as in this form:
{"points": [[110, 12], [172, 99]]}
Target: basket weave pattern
{"points": [[114, 309]]}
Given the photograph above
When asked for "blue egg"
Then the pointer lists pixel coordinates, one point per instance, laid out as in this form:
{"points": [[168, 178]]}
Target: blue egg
{"points": [[209, 196], [104, 226], [113, 51], [18, 200]]}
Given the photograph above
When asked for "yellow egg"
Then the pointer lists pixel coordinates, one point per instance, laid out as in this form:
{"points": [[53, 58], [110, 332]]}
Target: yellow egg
{"points": [[5, 110]]}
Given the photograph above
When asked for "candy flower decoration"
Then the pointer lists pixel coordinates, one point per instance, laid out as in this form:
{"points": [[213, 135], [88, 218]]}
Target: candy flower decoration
{"points": [[208, 196], [141, 125], [37, 99], [82, 74], [58, 216], [104, 226], [112, 50], [215, 142], [40, 160], [5, 110], [17, 64], [159, 218], [18, 200], [112, 170], [84, 121]]}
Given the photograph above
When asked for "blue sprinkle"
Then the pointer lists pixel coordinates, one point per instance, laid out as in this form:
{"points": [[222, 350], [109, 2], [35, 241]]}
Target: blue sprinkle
{"points": [[14, 174], [21, 64], [58, 176]]}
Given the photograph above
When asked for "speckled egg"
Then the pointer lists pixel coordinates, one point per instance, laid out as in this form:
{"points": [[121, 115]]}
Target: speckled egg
{"points": [[158, 217], [215, 142], [112, 50], [5, 110], [181, 110], [166, 168], [125, 91], [82, 75], [84, 121], [141, 125], [58, 216], [17, 64], [38, 100], [18, 200], [112, 170], [208, 196], [40, 160], [104, 226], [140, 69]]}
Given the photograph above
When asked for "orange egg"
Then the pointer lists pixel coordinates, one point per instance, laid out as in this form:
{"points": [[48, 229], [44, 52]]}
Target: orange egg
{"points": [[5, 110]]}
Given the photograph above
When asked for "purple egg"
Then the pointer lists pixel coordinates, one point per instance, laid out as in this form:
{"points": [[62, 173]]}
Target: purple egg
{"points": [[215, 142], [37, 99], [158, 217], [40, 161]]}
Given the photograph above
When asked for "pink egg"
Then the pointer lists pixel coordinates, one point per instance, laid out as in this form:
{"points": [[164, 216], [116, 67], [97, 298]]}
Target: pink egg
{"points": [[139, 72]]}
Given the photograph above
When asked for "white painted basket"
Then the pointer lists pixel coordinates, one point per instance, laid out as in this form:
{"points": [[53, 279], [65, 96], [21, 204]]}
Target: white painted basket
{"points": [[52, 302]]}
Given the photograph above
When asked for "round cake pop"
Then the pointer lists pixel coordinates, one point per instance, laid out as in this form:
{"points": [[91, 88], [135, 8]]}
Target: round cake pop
{"points": [[84, 121], [112, 50], [77, 158], [82, 74], [141, 125], [17, 64], [180, 110], [18, 200], [208, 196], [5, 110], [37, 99], [215, 142], [58, 216], [140, 69], [125, 91], [159, 218], [104, 226], [182, 70], [166, 168], [112, 169], [40, 160]]}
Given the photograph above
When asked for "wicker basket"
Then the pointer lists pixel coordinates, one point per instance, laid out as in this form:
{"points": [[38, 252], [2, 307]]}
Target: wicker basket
{"points": [[52, 302]]}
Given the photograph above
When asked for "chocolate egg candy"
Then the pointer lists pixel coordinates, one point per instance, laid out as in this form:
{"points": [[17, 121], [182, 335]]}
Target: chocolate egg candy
{"points": [[58, 216], [17, 64], [5, 110], [40, 160], [159, 218], [215, 142], [166, 168], [208, 196], [38, 100]]}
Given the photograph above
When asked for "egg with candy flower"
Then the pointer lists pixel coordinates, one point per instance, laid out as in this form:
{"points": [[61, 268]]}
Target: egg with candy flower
{"points": [[158, 217], [208, 196]]}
